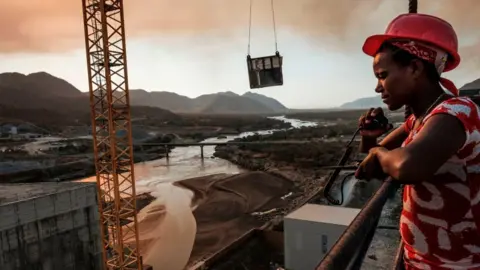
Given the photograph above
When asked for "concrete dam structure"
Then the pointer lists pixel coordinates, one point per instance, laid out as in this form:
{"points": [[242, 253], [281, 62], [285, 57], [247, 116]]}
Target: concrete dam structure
{"points": [[49, 226]]}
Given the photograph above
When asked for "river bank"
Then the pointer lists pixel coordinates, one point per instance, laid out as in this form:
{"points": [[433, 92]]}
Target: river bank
{"points": [[298, 163], [189, 217], [302, 162], [70, 158], [202, 205], [81, 166], [278, 180], [227, 206], [168, 225]]}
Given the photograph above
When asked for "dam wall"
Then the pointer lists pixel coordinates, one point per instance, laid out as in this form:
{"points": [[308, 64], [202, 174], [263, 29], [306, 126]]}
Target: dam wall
{"points": [[49, 226]]}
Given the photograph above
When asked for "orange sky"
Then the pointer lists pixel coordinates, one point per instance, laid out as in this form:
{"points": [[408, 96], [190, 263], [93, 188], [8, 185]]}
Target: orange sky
{"points": [[56, 25], [207, 39]]}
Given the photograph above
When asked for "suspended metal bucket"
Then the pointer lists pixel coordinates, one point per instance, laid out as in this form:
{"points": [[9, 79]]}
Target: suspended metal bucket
{"points": [[265, 71]]}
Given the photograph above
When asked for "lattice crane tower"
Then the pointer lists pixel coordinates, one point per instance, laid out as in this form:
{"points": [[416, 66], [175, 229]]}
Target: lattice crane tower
{"points": [[111, 130]]}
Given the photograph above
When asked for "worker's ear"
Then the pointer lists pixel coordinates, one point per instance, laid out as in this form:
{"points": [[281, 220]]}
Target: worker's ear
{"points": [[416, 68]]}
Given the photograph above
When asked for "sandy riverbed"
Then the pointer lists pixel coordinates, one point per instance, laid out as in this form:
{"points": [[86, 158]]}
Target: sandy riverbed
{"points": [[194, 218]]}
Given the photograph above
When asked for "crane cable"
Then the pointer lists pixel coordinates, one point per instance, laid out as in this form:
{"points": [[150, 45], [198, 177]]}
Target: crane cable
{"points": [[274, 26], [412, 8], [250, 26]]}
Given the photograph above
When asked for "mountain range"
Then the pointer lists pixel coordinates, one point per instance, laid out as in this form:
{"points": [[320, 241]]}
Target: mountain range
{"points": [[376, 101], [218, 103], [42, 97]]}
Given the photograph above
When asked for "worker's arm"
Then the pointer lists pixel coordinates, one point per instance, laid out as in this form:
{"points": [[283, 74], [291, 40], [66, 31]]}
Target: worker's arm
{"points": [[442, 136], [393, 140]]}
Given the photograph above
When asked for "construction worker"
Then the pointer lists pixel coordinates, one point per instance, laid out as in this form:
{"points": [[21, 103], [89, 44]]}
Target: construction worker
{"points": [[436, 152]]}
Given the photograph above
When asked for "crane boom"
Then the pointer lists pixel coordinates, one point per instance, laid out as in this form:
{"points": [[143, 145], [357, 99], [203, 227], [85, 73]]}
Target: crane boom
{"points": [[111, 130]]}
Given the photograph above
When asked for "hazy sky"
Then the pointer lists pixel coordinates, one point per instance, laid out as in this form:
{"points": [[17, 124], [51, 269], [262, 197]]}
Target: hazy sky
{"points": [[194, 47]]}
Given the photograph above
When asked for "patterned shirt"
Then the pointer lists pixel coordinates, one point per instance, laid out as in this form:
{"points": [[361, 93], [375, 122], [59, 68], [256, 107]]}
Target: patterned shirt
{"points": [[440, 220]]}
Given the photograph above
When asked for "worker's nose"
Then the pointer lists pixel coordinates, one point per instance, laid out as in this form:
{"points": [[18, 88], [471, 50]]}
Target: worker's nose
{"points": [[379, 88]]}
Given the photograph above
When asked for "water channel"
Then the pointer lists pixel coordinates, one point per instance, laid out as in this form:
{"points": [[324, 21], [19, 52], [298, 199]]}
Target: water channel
{"points": [[167, 226]]}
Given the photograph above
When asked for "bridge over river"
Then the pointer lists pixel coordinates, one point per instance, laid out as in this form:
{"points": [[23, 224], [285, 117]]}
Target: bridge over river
{"points": [[203, 144]]}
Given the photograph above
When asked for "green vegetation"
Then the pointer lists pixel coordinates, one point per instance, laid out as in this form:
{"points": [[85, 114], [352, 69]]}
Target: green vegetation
{"points": [[323, 146], [351, 116], [238, 123]]}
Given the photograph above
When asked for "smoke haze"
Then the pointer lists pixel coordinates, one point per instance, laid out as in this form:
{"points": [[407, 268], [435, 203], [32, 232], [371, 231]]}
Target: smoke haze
{"points": [[57, 25]]}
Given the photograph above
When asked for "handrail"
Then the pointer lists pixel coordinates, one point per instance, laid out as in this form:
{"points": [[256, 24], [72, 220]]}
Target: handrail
{"points": [[398, 262], [356, 233]]}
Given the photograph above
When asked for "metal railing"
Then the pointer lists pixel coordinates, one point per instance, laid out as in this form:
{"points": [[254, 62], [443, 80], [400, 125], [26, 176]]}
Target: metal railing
{"points": [[398, 262], [350, 249]]}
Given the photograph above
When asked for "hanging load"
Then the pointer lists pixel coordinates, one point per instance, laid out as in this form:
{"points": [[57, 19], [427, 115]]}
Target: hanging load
{"points": [[264, 71]]}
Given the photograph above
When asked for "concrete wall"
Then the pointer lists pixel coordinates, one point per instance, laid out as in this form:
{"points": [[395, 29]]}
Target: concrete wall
{"points": [[56, 231]]}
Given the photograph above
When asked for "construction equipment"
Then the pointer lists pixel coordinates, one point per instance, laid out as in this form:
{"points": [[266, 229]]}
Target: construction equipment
{"points": [[111, 130], [111, 124], [264, 71], [379, 122]]}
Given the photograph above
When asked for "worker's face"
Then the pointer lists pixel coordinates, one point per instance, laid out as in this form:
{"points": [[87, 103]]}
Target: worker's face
{"points": [[395, 83]]}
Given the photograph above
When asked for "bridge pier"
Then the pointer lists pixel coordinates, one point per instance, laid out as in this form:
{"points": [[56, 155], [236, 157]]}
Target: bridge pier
{"points": [[168, 145]]}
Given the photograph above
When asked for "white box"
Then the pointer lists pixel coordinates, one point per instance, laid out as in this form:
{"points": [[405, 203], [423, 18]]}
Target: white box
{"points": [[311, 231]]}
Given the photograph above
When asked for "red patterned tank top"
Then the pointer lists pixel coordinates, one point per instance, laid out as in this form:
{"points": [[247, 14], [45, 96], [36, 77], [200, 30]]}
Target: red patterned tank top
{"points": [[440, 219]]}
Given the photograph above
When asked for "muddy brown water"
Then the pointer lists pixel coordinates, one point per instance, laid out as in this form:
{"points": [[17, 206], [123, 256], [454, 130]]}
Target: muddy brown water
{"points": [[179, 226]]}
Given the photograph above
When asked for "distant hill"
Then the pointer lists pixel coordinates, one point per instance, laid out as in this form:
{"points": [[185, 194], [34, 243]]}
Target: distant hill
{"points": [[46, 99], [218, 103], [475, 85], [471, 90], [42, 98], [376, 101], [35, 84], [166, 100], [369, 102], [226, 103], [364, 103], [268, 101]]}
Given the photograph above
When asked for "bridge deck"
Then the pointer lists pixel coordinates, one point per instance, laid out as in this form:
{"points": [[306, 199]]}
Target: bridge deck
{"points": [[225, 143]]}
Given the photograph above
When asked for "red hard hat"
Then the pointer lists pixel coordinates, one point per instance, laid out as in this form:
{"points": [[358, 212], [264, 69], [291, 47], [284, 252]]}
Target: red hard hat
{"points": [[419, 27]]}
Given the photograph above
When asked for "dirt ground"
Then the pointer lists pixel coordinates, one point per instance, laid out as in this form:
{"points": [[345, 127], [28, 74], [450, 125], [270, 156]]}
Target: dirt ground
{"points": [[224, 207]]}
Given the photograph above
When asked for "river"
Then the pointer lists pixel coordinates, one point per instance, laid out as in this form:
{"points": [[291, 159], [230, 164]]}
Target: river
{"points": [[186, 162], [167, 226]]}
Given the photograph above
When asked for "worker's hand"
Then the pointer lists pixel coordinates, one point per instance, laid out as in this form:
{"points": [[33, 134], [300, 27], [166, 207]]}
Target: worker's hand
{"points": [[374, 124], [370, 168]]}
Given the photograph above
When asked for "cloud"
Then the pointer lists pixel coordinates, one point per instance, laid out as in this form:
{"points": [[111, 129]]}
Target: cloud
{"points": [[57, 25]]}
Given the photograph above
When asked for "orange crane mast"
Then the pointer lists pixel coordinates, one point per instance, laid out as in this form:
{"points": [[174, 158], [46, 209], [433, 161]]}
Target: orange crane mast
{"points": [[111, 130]]}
